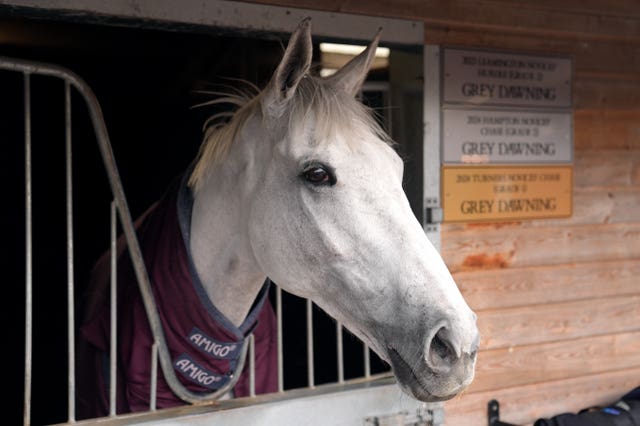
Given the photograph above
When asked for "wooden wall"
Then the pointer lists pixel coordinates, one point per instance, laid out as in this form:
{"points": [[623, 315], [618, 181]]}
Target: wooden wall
{"points": [[558, 300]]}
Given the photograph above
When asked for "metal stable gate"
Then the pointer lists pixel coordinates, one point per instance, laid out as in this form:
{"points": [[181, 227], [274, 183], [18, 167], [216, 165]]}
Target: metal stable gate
{"points": [[371, 400]]}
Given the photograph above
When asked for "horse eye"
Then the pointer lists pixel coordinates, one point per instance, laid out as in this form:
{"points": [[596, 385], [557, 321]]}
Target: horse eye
{"points": [[318, 175]]}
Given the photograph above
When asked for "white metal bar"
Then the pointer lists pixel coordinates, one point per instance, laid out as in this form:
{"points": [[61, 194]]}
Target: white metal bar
{"points": [[367, 360], [114, 318], [28, 328], [70, 259], [252, 365], [154, 377], [279, 322], [310, 366], [340, 352]]}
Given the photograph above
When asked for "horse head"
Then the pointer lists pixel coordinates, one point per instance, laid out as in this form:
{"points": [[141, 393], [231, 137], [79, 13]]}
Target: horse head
{"points": [[318, 194]]}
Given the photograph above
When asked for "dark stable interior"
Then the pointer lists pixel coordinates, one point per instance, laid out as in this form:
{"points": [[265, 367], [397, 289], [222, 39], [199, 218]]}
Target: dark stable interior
{"points": [[146, 81]]}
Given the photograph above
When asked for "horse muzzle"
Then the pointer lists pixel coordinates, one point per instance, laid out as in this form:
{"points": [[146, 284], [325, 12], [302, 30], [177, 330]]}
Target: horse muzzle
{"points": [[444, 370]]}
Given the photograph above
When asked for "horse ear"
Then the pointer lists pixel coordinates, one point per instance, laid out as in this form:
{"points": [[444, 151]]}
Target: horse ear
{"points": [[351, 76], [294, 65]]}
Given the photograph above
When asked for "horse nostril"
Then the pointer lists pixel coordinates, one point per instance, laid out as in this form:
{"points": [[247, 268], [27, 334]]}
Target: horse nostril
{"points": [[441, 347], [443, 351]]}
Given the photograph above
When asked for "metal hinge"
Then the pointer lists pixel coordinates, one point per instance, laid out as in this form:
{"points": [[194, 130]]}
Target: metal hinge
{"points": [[421, 417], [433, 213]]}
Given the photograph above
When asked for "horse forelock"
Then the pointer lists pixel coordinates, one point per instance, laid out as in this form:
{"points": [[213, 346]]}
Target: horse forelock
{"points": [[335, 113]]}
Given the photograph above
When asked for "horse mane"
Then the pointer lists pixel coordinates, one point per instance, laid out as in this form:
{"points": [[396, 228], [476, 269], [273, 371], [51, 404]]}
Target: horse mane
{"points": [[335, 113]]}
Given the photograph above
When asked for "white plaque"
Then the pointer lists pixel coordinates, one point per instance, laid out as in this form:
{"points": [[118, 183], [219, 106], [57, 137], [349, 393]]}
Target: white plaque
{"points": [[509, 79], [476, 136]]}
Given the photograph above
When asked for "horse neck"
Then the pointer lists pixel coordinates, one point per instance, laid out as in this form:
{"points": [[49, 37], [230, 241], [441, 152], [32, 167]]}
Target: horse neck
{"points": [[219, 240]]}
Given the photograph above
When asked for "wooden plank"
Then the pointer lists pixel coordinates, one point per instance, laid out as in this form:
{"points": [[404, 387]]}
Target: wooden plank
{"points": [[607, 128], [542, 362], [605, 167], [488, 15], [606, 191], [503, 288], [617, 94], [195, 15], [586, 56], [523, 405], [600, 205], [626, 8], [597, 205], [477, 249], [530, 325]]}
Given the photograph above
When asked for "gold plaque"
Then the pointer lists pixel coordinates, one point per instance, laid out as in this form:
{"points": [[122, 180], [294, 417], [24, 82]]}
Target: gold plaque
{"points": [[495, 193]]}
